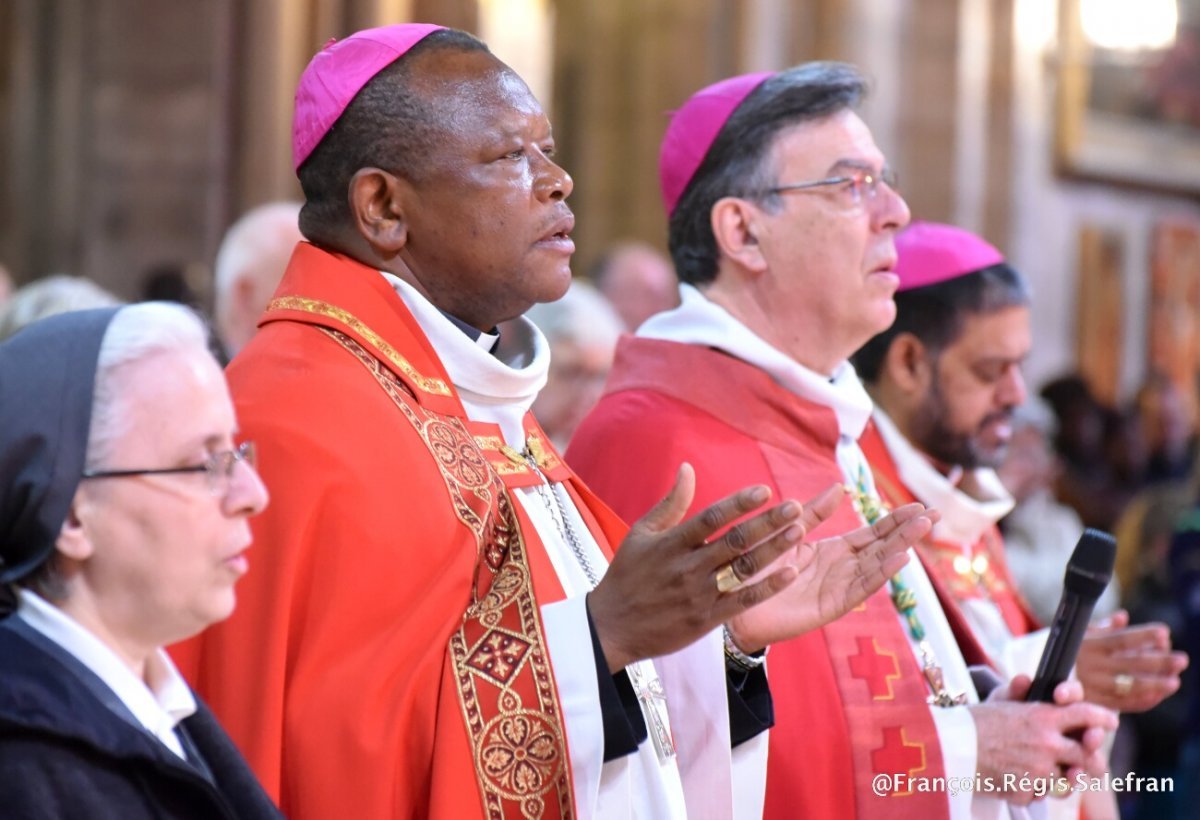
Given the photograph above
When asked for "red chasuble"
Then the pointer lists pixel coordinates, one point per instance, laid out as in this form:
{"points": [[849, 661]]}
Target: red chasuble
{"points": [[981, 572], [387, 656], [849, 698]]}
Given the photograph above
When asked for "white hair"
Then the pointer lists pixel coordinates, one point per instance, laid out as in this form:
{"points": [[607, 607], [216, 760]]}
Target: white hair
{"points": [[48, 296], [250, 249], [582, 316], [137, 332]]}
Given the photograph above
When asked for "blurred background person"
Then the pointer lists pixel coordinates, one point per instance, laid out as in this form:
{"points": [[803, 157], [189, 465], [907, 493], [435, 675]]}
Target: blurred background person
{"points": [[582, 329], [1040, 533], [46, 297], [250, 263], [177, 282], [1079, 443], [1150, 743], [123, 526], [637, 280], [1183, 570], [1169, 428]]}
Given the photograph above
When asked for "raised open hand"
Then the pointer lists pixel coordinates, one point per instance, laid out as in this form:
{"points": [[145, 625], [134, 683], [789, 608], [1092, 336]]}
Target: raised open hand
{"points": [[834, 574], [661, 591]]}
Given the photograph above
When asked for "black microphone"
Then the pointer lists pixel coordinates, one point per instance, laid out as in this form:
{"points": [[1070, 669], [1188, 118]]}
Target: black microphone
{"points": [[1088, 573]]}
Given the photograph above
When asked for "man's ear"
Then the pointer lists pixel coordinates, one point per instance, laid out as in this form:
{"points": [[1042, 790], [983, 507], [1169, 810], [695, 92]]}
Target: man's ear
{"points": [[735, 227], [376, 200], [908, 364], [73, 539]]}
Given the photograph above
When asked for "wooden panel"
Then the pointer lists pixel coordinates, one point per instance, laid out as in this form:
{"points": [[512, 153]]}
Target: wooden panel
{"points": [[155, 117], [998, 174], [927, 120], [1099, 326], [620, 67], [275, 39], [116, 142], [21, 195]]}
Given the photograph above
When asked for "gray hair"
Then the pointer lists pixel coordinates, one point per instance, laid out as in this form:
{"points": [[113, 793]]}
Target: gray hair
{"points": [[135, 333], [267, 232], [738, 162], [582, 316], [50, 296]]}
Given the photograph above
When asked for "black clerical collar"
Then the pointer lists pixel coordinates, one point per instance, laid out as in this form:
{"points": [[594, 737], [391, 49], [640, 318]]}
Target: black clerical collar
{"points": [[487, 341]]}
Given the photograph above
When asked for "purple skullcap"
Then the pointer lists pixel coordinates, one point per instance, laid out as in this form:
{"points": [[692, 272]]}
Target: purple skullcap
{"points": [[693, 129], [338, 72], [929, 252], [47, 378]]}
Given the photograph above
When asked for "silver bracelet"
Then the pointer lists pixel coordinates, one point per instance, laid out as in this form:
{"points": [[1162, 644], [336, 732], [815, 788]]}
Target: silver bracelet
{"points": [[735, 656]]}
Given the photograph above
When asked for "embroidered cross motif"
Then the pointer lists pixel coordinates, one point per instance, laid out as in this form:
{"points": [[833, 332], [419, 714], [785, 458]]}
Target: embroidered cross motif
{"points": [[875, 666], [897, 755], [872, 508], [498, 656]]}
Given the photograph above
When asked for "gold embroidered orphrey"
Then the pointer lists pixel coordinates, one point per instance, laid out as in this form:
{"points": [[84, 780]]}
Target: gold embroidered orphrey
{"points": [[499, 653], [319, 308]]}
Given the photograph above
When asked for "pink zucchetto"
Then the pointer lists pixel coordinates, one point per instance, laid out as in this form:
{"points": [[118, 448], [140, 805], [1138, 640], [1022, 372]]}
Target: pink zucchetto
{"points": [[338, 72], [929, 252], [693, 129]]}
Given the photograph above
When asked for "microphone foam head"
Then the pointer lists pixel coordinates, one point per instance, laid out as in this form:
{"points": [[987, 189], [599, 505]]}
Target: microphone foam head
{"points": [[1091, 564]]}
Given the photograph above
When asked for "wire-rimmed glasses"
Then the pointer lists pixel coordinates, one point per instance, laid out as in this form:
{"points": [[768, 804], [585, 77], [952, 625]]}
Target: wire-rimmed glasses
{"points": [[218, 468], [862, 184]]}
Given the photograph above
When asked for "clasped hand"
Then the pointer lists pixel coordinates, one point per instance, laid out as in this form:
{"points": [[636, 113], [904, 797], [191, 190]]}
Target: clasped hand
{"points": [[1017, 739]]}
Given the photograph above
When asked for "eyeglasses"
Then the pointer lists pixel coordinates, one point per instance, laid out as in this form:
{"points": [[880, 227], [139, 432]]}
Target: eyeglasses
{"points": [[861, 184], [218, 468]]}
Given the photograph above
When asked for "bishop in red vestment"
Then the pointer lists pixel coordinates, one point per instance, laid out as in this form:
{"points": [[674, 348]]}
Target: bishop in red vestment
{"points": [[782, 220], [946, 378], [435, 625]]}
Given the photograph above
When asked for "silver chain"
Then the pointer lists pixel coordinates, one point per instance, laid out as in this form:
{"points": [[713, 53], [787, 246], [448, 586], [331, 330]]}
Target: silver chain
{"points": [[558, 512], [649, 690]]}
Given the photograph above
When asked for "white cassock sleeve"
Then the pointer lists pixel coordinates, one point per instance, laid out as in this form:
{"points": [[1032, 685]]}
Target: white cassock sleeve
{"points": [[718, 782], [635, 785], [569, 641]]}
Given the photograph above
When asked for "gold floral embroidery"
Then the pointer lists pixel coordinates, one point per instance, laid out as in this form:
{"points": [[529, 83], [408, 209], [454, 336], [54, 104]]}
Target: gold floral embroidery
{"points": [[499, 652]]}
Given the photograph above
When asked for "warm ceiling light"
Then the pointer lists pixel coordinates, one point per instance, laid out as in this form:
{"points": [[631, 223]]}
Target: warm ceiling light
{"points": [[1130, 26]]}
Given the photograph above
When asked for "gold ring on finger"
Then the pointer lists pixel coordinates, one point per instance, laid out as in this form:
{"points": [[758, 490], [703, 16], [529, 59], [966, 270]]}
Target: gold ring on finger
{"points": [[727, 579], [1123, 684]]}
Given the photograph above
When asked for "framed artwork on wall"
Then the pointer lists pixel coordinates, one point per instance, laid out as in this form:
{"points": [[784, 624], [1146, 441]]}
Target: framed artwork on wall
{"points": [[1099, 318], [1173, 344], [1128, 95]]}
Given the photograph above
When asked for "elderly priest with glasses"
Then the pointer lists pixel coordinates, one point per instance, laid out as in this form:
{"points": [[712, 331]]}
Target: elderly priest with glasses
{"points": [[123, 528]]}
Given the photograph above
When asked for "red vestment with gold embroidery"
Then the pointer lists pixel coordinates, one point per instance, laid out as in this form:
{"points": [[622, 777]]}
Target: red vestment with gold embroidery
{"points": [[850, 701], [387, 656], [979, 571]]}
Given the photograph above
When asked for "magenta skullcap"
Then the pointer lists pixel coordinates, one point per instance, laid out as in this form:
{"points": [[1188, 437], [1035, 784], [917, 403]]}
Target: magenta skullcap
{"points": [[338, 72], [929, 252], [693, 129]]}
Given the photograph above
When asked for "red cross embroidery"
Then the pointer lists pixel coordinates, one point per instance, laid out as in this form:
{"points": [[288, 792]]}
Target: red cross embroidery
{"points": [[876, 666], [897, 755]]}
